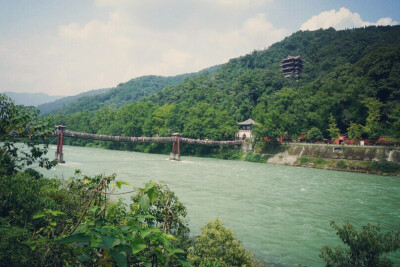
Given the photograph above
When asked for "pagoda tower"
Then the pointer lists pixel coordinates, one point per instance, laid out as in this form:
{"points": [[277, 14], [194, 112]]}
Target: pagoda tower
{"points": [[292, 66]]}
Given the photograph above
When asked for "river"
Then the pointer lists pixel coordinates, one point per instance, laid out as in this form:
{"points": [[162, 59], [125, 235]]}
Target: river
{"points": [[281, 213]]}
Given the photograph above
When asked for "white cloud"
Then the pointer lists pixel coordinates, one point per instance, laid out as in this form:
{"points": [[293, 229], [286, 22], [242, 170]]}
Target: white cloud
{"points": [[341, 19], [128, 39], [129, 50]]}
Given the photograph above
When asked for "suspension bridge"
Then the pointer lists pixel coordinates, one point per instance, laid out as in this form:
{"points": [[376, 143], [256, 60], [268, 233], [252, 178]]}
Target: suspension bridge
{"points": [[175, 139]]}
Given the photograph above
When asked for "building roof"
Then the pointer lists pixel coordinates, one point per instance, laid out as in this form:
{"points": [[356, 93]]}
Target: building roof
{"points": [[292, 58], [247, 122]]}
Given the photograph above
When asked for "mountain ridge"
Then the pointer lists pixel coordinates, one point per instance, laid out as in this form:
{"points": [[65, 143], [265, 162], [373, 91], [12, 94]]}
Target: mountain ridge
{"points": [[31, 99], [124, 93]]}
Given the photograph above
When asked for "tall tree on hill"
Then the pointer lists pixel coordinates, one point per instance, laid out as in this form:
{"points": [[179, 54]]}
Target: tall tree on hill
{"points": [[333, 130], [373, 126], [355, 131]]}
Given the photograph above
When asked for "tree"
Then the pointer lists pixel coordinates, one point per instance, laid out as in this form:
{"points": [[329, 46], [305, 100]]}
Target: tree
{"points": [[373, 126], [169, 213], [205, 122], [271, 127], [218, 246], [313, 134], [21, 124], [395, 118], [333, 130], [355, 131], [365, 248]]}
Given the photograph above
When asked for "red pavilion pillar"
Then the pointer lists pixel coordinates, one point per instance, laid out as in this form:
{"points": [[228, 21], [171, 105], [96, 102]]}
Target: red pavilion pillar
{"points": [[59, 156], [175, 153]]}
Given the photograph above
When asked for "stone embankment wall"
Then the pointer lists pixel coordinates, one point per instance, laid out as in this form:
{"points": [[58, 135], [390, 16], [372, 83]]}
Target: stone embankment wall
{"points": [[291, 152]]}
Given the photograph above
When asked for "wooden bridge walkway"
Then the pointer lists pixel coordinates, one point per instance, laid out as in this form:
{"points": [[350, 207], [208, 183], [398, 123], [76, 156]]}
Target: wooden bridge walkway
{"points": [[176, 139]]}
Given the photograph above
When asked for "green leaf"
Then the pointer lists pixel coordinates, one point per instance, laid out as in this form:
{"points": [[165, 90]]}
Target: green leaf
{"points": [[120, 183], [144, 202], [147, 186], [136, 248], [152, 193], [119, 258], [56, 212], [83, 258], [164, 240], [38, 215], [81, 237], [108, 241], [168, 236], [145, 232], [177, 251]]}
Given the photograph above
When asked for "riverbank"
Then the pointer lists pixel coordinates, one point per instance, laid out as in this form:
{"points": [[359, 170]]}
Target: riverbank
{"points": [[363, 159]]}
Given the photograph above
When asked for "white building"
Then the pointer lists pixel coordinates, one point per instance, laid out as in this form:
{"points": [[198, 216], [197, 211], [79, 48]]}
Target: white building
{"points": [[245, 128]]}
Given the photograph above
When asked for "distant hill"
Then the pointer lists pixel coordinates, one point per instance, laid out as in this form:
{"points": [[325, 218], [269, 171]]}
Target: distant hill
{"points": [[31, 99], [125, 93], [47, 108]]}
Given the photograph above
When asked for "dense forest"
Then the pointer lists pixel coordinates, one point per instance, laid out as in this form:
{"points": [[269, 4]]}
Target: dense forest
{"points": [[350, 84]]}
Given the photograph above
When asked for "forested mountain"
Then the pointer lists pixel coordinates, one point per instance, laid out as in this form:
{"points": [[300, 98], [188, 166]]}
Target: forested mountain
{"points": [[353, 75], [62, 103], [125, 93]]}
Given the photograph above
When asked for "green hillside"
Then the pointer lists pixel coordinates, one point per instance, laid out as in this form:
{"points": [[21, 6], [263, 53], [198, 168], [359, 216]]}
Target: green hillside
{"points": [[352, 74], [125, 93], [62, 103]]}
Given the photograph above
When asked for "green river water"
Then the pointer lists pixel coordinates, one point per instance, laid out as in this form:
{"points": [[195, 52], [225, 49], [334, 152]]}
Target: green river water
{"points": [[281, 213]]}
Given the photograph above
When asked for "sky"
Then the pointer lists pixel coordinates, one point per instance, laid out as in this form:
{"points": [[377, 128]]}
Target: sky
{"points": [[65, 47]]}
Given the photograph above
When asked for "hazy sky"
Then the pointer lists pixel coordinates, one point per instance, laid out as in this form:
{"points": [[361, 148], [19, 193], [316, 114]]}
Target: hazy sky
{"points": [[67, 47]]}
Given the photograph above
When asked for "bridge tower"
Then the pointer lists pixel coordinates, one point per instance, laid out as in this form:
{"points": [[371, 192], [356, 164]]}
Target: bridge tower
{"points": [[176, 152], [59, 156]]}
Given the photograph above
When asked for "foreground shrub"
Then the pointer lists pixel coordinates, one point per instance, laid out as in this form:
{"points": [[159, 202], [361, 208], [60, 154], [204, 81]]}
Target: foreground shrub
{"points": [[304, 159], [218, 246], [73, 222], [365, 248], [385, 166], [254, 157]]}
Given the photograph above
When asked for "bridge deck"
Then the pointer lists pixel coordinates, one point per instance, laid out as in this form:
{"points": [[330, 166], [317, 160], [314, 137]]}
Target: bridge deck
{"points": [[132, 139]]}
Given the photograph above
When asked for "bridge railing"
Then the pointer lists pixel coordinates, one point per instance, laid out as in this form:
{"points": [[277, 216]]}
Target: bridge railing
{"points": [[133, 139], [210, 142]]}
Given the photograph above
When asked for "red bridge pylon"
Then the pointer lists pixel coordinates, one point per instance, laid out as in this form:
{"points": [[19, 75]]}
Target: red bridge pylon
{"points": [[59, 156]]}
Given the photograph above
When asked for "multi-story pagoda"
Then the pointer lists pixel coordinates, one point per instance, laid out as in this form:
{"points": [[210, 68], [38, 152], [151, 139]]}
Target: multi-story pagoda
{"points": [[292, 66]]}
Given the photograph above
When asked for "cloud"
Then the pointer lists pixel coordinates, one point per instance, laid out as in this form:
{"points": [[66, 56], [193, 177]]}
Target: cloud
{"points": [[128, 39], [341, 19], [130, 49]]}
